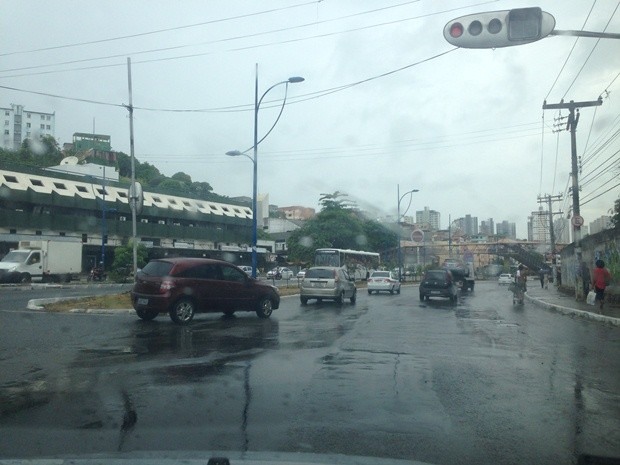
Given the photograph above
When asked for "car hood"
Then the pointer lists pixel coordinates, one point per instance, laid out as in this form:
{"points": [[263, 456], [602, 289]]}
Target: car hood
{"points": [[213, 457]]}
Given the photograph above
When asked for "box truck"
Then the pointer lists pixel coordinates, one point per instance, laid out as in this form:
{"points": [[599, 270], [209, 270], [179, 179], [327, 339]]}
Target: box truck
{"points": [[44, 260]]}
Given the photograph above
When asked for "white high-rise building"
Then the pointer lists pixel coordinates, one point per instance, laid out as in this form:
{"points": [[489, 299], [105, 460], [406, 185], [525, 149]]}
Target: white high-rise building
{"points": [[428, 218], [20, 124], [538, 227]]}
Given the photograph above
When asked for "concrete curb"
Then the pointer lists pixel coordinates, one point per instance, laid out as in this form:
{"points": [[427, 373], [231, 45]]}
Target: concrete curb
{"points": [[574, 312], [38, 305]]}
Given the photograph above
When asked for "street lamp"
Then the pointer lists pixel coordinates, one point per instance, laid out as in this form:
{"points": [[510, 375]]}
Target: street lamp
{"points": [[400, 198], [235, 153]]}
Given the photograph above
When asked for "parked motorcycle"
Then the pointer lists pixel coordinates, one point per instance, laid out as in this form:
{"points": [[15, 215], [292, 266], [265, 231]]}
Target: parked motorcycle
{"points": [[97, 273]]}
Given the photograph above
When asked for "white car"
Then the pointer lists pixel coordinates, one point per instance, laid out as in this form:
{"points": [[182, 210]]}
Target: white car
{"points": [[385, 281], [505, 278], [280, 273], [301, 273], [247, 269]]}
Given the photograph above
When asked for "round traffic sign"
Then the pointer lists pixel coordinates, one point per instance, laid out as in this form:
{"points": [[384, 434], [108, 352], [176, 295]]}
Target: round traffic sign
{"points": [[417, 235], [577, 220]]}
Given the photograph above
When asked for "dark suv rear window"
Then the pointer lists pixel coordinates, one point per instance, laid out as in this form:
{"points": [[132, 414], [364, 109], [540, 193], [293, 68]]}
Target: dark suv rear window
{"points": [[320, 273], [160, 269], [435, 275]]}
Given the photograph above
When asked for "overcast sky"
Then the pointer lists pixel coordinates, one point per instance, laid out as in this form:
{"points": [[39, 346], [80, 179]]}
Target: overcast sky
{"points": [[465, 127]]}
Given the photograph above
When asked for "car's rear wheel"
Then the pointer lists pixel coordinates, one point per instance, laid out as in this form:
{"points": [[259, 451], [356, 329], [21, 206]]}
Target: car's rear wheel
{"points": [[183, 311], [304, 300], [369, 292], [146, 315], [340, 298], [265, 308]]}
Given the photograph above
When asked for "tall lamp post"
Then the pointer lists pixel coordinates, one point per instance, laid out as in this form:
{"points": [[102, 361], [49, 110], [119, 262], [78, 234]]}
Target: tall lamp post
{"points": [[235, 153], [400, 198]]}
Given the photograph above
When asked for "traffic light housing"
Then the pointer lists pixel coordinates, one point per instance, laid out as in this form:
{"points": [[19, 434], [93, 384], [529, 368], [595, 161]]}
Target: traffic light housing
{"points": [[495, 29]]}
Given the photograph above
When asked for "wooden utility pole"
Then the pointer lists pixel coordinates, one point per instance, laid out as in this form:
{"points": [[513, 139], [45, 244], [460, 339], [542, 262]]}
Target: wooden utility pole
{"points": [[573, 119]]}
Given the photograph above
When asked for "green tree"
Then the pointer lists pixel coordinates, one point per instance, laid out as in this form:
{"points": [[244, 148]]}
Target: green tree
{"points": [[182, 177], [615, 217], [339, 226], [123, 261]]}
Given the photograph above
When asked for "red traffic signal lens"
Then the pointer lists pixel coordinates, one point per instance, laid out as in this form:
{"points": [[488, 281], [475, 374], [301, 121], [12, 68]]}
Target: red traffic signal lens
{"points": [[456, 30]]}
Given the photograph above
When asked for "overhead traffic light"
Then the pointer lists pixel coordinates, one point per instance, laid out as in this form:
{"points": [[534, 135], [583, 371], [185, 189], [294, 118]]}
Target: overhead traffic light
{"points": [[494, 29]]}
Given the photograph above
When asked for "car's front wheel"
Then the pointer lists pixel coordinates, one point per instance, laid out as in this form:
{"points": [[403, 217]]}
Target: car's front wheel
{"points": [[146, 315], [265, 308], [183, 311], [304, 300]]}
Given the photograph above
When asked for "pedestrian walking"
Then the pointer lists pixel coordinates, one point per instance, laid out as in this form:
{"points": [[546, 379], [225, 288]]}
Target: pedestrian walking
{"points": [[601, 277], [541, 276], [585, 278]]}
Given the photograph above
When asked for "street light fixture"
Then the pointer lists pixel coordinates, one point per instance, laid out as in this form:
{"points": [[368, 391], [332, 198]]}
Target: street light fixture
{"points": [[235, 153], [398, 216]]}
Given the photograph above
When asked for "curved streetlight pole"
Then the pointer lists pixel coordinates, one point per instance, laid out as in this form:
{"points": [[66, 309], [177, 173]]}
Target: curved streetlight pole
{"points": [[234, 153], [400, 198]]}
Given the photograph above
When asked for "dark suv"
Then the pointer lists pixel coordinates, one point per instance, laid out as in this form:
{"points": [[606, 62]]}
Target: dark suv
{"points": [[438, 283], [185, 286]]}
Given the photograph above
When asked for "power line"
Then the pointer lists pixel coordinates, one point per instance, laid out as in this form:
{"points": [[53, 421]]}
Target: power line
{"points": [[227, 39], [591, 52], [158, 31], [254, 46], [571, 52], [75, 99]]}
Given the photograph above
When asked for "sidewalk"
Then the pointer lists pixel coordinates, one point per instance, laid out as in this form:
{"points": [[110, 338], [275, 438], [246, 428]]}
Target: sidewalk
{"points": [[554, 300]]}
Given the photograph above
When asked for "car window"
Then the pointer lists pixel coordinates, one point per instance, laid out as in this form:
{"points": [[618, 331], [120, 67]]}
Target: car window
{"points": [[380, 274], [157, 269], [232, 274], [320, 273], [435, 275]]}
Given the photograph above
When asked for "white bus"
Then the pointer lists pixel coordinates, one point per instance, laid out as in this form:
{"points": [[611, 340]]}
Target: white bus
{"points": [[357, 262]]}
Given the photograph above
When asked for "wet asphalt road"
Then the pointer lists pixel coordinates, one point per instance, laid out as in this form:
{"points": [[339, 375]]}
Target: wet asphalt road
{"points": [[483, 382]]}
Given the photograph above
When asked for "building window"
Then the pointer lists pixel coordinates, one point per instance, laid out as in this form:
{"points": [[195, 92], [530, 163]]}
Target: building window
{"points": [[62, 233], [43, 126], [10, 178], [7, 113], [84, 238], [6, 132], [36, 182], [43, 117], [59, 185], [12, 231], [6, 122], [38, 233], [27, 115], [81, 189], [102, 191], [48, 117], [48, 127], [27, 125]]}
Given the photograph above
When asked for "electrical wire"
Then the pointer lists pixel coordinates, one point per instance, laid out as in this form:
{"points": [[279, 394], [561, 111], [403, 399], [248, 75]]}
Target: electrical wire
{"points": [[571, 52], [158, 31], [249, 47], [591, 52]]}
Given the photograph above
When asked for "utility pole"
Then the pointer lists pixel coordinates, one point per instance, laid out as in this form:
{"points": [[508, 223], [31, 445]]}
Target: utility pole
{"points": [[549, 199], [573, 119]]}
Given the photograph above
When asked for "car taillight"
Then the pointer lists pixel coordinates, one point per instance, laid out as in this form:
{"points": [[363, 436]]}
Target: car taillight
{"points": [[336, 277], [166, 286]]}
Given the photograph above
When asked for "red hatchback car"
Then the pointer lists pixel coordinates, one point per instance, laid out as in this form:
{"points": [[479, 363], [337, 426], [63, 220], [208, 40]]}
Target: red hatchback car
{"points": [[186, 286]]}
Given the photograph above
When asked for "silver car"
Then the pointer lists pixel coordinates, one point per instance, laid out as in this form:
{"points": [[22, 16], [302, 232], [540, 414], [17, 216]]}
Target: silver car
{"points": [[327, 282]]}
